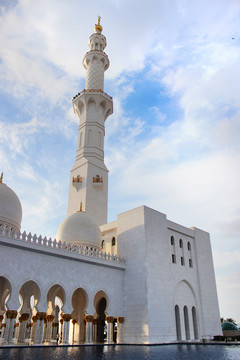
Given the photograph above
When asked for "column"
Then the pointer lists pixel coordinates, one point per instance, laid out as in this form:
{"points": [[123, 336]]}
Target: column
{"points": [[120, 321], [61, 331], [89, 320], [49, 328], [40, 327], [9, 330], [95, 321], [1, 319], [22, 327], [55, 330], [73, 332], [44, 330], [66, 318], [110, 321], [33, 329], [16, 333], [29, 332], [3, 333]]}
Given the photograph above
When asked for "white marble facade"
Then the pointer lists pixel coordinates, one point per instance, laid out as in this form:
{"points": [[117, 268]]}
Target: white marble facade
{"points": [[140, 279]]}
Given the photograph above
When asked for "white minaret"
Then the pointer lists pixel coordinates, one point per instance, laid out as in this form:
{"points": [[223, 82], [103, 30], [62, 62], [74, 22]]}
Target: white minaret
{"points": [[89, 175]]}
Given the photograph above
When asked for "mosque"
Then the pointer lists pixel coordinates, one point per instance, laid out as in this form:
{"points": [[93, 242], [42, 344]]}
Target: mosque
{"points": [[141, 279]]}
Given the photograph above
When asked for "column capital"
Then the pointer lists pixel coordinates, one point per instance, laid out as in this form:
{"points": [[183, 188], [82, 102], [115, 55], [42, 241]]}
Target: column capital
{"points": [[89, 318], [120, 319], [11, 314], [1, 317], [24, 317], [66, 317], [41, 316], [50, 318], [95, 321], [74, 321], [110, 319]]}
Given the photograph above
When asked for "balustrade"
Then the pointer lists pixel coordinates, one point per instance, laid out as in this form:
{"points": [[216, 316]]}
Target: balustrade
{"points": [[7, 231]]}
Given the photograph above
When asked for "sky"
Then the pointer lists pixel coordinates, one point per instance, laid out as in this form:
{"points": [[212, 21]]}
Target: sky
{"points": [[173, 141]]}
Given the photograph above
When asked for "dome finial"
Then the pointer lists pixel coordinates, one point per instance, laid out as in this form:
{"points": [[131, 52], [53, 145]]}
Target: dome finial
{"points": [[80, 209], [98, 27], [1, 178]]}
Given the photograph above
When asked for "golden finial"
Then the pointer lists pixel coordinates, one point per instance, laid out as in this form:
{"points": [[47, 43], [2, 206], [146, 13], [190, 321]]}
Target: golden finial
{"points": [[81, 208], [1, 178], [98, 26]]}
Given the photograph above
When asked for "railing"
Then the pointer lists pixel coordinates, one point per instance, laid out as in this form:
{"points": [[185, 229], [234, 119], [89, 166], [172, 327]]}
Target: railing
{"points": [[92, 91], [90, 251]]}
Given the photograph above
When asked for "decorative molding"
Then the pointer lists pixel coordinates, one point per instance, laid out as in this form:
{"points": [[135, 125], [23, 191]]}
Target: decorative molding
{"points": [[83, 250]]}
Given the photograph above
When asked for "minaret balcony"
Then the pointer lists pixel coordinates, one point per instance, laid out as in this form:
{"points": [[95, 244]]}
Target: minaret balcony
{"points": [[89, 91], [77, 182], [97, 180]]}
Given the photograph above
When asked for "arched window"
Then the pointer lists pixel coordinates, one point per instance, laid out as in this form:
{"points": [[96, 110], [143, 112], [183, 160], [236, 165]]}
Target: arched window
{"points": [[194, 318], [173, 250], [113, 241], [178, 323], [181, 243], [189, 254], [103, 244], [186, 322]]}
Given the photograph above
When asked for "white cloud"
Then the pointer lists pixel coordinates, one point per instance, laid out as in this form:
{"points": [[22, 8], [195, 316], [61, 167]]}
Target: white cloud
{"points": [[17, 136]]}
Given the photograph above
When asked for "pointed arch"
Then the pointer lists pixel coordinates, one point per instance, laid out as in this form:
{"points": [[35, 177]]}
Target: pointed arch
{"points": [[5, 292], [79, 303], [55, 292], [30, 295], [100, 304]]}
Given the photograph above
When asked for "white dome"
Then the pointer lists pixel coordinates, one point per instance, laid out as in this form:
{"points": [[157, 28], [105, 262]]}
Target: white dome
{"points": [[10, 207], [79, 228]]}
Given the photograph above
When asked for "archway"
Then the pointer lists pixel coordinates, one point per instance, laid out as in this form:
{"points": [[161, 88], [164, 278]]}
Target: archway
{"points": [[55, 298], [29, 297], [100, 303], [79, 302], [5, 291]]}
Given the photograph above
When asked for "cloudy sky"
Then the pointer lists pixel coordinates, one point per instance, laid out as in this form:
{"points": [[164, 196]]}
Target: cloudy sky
{"points": [[173, 141]]}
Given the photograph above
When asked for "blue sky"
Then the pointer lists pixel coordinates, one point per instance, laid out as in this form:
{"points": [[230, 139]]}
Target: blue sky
{"points": [[173, 140]]}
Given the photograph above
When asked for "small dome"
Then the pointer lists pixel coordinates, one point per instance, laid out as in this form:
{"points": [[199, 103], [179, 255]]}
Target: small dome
{"points": [[226, 325], [10, 207], [79, 228]]}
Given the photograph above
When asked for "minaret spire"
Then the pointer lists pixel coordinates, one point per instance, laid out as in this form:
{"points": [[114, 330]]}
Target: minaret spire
{"points": [[89, 175]]}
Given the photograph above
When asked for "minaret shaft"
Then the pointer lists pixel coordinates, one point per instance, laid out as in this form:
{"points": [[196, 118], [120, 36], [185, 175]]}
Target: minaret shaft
{"points": [[89, 175]]}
